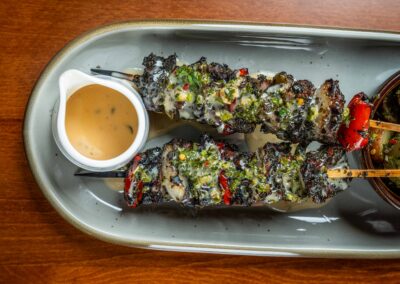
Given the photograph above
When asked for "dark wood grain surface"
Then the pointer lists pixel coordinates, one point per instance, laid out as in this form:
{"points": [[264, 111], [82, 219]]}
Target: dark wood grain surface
{"points": [[38, 246]]}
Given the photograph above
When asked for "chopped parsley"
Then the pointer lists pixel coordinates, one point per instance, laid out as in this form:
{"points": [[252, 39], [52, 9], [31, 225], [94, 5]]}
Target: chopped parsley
{"points": [[188, 75], [346, 116]]}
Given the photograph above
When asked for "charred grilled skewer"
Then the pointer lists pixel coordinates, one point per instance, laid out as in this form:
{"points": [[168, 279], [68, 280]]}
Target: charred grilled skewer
{"points": [[215, 173], [233, 101]]}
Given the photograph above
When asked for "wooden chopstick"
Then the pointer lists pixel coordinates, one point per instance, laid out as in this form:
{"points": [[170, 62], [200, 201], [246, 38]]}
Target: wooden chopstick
{"points": [[363, 173], [384, 125]]}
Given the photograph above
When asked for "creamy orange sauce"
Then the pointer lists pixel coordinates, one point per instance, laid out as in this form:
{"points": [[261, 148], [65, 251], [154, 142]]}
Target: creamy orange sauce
{"points": [[101, 123]]}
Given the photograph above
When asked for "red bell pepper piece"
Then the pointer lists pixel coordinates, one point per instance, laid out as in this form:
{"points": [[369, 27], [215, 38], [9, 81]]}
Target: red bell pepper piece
{"points": [[139, 194], [243, 71], [223, 182], [220, 145], [354, 134], [128, 182], [227, 130], [128, 178], [139, 186], [186, 87]]}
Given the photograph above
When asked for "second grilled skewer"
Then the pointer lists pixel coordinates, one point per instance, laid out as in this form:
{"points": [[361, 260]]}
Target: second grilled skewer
{"points": [[215, 173]]}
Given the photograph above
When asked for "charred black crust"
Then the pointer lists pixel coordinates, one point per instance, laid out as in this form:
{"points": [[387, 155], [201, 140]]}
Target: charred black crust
{"points": [[221, 72], [303, 89], [271, 153], [277, 149], [319, 187], [297, 128], [336, 106], [150, 159], [240, 125], [316, 184], [154, 80], [282, 78], [243, 195], [168, 64]]}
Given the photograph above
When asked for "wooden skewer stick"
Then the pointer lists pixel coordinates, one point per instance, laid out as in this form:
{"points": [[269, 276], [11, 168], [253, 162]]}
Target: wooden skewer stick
{"points": [[356, 173], [384, 125]]}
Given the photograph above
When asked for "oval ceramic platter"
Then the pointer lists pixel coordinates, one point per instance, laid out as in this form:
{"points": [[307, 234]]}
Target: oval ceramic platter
{"points": [[356, 223]]}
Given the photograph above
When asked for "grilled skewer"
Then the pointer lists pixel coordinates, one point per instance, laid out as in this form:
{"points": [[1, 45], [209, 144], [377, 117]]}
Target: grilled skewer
{"points": [[215, 173], [234, 101]]}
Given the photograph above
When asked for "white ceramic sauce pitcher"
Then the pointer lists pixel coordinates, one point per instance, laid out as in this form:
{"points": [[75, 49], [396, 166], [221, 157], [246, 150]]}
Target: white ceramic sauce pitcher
{"points": [[69, 82]]}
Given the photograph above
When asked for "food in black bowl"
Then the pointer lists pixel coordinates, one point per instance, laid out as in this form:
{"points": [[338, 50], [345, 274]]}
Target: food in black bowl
{"points": [[384, 149]]}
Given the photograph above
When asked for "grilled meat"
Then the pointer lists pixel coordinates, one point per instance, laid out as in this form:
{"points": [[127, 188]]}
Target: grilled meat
{"points": [[326, 114], [155, 79], [234, 101], [216, 173]]}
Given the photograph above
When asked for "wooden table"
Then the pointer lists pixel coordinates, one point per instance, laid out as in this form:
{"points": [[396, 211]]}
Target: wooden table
{"points": [[36, 244]]}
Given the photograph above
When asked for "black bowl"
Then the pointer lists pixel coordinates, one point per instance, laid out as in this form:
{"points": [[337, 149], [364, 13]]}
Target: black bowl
{"points": [[382, 187]]}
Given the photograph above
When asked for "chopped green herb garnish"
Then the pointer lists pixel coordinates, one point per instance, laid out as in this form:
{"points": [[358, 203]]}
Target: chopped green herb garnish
{"points": [[283, 112], [346, 116], [312, 113]]}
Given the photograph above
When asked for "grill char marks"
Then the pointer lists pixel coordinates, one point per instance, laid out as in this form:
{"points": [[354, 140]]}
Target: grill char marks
{"points": [[220, 72], [318, 185], [213, 173], [173, 182], [143, 181], [233, 101], [286, 103], [330, 104], [154, 80]]}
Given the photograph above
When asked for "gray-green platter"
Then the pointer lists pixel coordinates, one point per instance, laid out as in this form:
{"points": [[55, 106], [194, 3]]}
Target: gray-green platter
{"points": [[357, 223]]}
